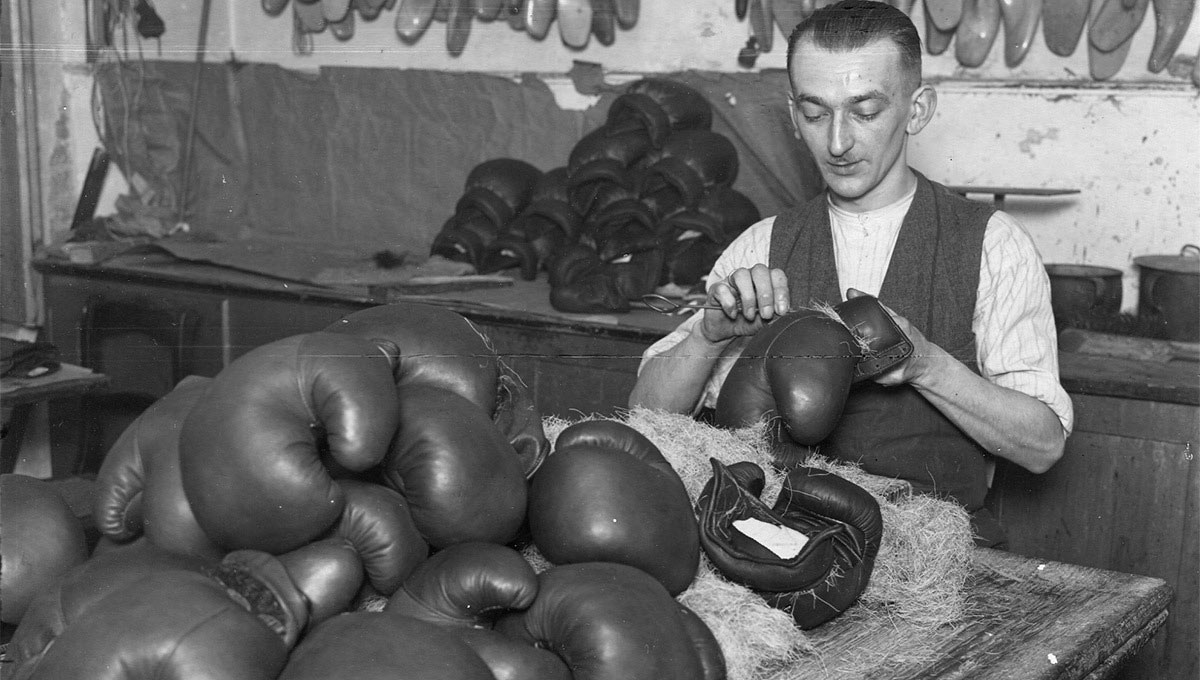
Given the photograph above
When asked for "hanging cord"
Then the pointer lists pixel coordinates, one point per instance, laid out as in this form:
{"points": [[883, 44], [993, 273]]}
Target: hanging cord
{"points": [[191, 129]]}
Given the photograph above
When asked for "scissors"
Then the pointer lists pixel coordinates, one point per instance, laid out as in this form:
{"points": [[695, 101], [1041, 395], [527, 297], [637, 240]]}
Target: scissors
{"points": [[665, 305]]}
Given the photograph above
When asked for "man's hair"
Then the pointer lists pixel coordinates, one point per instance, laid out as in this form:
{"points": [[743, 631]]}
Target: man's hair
{"points": [[851, 24]]}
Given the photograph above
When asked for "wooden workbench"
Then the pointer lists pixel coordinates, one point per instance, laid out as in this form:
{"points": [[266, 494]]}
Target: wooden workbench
{"points": [[1027, 618]]}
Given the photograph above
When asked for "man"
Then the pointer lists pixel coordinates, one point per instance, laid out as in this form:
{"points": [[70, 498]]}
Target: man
{"points": [[963, 281]]}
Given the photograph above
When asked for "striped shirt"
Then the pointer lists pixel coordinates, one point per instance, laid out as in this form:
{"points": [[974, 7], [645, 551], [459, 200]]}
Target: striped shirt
{"points": [[1016, 341]]}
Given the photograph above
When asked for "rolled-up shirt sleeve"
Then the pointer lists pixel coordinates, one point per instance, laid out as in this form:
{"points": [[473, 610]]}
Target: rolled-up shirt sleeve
{"points": [[1016, 340]]}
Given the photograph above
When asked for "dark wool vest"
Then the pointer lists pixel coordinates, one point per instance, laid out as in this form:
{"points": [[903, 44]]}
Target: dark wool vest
{"points": [[932, 280]]}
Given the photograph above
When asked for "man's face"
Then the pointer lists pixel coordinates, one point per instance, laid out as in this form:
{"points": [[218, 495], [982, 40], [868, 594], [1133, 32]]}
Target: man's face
{"points": [[852, 109]]}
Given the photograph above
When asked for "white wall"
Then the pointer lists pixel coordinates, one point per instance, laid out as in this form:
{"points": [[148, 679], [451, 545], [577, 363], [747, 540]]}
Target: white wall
{"points": [[1131, 145]]}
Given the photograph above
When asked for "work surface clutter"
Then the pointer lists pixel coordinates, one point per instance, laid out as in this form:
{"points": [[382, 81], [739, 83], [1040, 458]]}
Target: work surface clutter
{"points": [[381, 498]]}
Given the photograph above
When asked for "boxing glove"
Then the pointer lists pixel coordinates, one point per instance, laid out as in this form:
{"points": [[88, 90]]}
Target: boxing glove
{"points": [[467, 585], [441, 348], [552, 199], [607, 494], [801, 368], [436, 347], [602, 155], [466, 238], [251, 448], [139, 489], [520, 421], [712, 659], [659, 107], [752, 544], [498, 189], [511, 251], [462, 480], [513, 659], [377, 524], [40, 540], [692, 239], [144, 613], [383, 645], [690, 163], [796, 373], [818, 499], [607, 621], [594, 293]]}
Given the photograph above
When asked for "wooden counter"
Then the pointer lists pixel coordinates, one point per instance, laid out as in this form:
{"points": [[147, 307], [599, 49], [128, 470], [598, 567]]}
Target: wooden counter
{"points": [[1125, 497], [1027, 619]]}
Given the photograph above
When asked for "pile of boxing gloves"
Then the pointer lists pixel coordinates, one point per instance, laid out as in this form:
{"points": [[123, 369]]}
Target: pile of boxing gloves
{"points": [[247, 518], [644, 202]]}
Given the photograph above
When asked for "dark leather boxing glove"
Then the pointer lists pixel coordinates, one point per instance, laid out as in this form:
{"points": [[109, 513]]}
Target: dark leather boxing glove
{"points": [[383, 646], [659, 107], [818, 499], [712, 659], [798, 370], [251, 448], [690, 163], [462, 480], [467, 585], [802, 365], [607, 621], [40, 540], [692, 239], [607, 494], [752, 544], [520, 420], [513, 659], [441, 348], [595, 293], [466, 238], [377, 524], [604, 155], [499, 189], [142, 613], [436, 347], [139, 490]]}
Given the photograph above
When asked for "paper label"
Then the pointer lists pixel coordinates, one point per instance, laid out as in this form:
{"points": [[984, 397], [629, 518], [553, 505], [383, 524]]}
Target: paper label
{"points": [[785, 542]]}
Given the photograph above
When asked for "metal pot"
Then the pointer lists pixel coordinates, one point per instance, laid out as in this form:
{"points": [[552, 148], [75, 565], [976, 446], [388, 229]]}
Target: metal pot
{"points": [[1169, 292], [1080, 292]]}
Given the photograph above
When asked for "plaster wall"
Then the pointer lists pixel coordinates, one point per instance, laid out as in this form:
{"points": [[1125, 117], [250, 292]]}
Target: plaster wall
{"points": [[1130, 144]]}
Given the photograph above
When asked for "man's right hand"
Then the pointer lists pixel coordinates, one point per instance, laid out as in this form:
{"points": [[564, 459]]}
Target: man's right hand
{"points": [[749, 298]]}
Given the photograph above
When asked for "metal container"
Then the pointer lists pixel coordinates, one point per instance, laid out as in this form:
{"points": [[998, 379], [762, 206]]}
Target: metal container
{"points": [[1169, 292], [1081, 293]]}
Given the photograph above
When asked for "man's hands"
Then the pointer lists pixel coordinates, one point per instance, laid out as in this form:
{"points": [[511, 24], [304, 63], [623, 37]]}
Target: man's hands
{"points": [[749, 298]]}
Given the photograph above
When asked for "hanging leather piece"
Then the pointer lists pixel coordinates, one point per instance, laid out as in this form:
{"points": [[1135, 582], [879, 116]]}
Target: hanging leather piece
{"points": [[310, 17], [515, 13], [945, 13], [458, 25], [335, 10], [760, 24], [1062, 24], [274, 7], [1171, 21], [788, 13], [604, 21], [976, 31], [370, 9], [1021, 19], [1104, 65], [575, 22], [343, 30], [1114, 25], [936, 40], [488, 10], [539, 14], [627, 13], [413, 18]]}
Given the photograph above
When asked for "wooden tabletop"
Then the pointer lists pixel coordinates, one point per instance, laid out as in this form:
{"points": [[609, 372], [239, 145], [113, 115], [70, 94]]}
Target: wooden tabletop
{"points": [[68, 380], [1029, 619]]}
